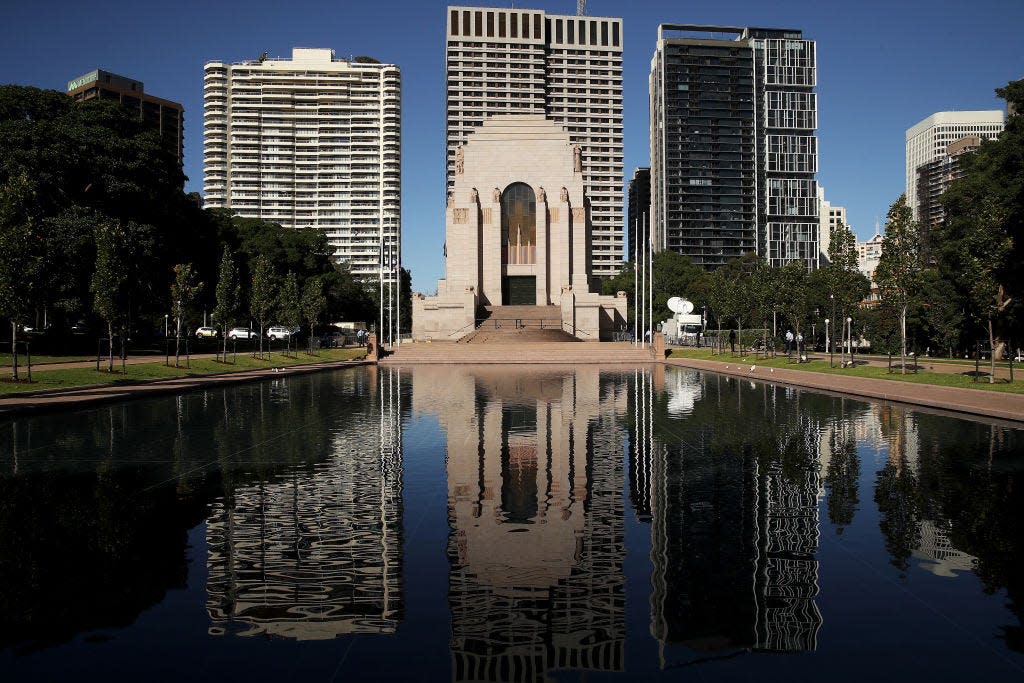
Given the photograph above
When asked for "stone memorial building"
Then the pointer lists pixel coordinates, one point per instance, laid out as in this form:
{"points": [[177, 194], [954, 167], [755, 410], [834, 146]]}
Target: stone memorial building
{"points": [[518, 233]]}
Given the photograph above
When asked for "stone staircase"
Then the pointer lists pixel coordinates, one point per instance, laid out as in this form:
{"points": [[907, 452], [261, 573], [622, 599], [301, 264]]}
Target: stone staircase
{"points": [[525, 352], [518, 324]]}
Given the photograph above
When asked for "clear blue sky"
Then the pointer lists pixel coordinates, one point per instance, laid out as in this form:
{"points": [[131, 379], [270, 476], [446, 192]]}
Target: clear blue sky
{"points": [[882, 67]]}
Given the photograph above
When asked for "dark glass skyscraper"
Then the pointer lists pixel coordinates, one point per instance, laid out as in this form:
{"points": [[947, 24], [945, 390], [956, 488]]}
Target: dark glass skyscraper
{"points": [[733, 150]]}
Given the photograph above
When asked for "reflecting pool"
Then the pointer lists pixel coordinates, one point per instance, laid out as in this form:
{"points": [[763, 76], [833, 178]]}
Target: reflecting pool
{"points": [[506, 524]]}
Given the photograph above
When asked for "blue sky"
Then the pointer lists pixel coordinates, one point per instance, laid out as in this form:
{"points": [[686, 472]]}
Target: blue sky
{"points": [[882, 67]]}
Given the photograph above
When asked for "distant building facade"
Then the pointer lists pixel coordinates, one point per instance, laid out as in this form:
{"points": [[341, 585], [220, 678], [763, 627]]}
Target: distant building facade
{"points": [[311, 142], [733, 146], [639, 214], [567, 68], [927, 141], [869, 253], [164, 116], [830, 217], [933, 179]]}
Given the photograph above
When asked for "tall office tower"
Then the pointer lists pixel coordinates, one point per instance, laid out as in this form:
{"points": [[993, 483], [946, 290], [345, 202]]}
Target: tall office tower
{"points": [[310, 142], [164, 116], [927, 141], [638, 218], [733, 150], [934, 178], [568, 68]]}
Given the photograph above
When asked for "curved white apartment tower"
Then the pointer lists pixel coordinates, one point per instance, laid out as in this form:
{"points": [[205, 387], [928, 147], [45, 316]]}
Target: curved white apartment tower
{"points": [[309, 142]]}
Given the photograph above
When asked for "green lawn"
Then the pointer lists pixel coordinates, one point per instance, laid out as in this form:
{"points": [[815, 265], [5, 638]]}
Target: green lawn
{"points": [[5, 359], [820, 364], [76, 377]]}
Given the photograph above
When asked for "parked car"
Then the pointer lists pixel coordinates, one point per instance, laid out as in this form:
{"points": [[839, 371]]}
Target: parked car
{"points": [[332, 339], [241, 333], [206, 332], [278, 333]]}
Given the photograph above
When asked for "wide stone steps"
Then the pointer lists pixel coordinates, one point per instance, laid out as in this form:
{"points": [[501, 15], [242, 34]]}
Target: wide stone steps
{"points": [[526, 352]]}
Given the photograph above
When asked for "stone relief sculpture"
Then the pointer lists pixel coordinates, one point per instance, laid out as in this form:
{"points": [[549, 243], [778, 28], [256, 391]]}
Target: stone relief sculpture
{"points": [[451, 201], [542, 196], [577, 159], [460, 160], [565, 195], [497, 196], [474, 196]]}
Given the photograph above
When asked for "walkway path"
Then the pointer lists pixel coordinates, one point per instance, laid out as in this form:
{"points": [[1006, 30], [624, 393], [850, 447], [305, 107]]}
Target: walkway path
{"points": [[973, 401]]}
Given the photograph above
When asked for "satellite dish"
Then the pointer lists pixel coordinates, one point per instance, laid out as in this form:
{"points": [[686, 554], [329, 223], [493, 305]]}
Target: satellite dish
{"points": [[680, 305]]}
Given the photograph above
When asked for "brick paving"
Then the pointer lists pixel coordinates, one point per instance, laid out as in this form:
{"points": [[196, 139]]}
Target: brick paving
{"points": [[971, 401]]}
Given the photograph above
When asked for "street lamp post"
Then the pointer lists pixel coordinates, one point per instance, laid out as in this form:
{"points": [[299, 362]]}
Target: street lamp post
{"points": [[827, 344], [849, 338], [832, 341]]}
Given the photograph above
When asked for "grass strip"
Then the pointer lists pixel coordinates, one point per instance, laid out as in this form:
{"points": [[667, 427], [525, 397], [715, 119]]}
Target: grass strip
{"points": [[814, 364], [68, 378]]}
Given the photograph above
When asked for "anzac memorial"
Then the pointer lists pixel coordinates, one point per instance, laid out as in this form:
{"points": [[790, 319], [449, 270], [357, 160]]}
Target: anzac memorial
{"points": [[518, 239]]}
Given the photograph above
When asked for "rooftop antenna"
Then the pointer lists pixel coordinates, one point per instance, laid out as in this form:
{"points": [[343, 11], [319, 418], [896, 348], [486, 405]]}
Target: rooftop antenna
{"points": [[581, 8]]}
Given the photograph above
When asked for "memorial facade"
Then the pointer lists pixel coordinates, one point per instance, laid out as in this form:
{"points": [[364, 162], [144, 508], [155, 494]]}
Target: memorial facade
{"points": [[518, 233]]}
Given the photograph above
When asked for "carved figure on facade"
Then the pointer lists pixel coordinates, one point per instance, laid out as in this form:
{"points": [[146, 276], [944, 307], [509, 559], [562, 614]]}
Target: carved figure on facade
{"points": [[496, 196], [577, 159], [565, 195], [451, 201], [474, 196], [542, 195], [461, 215], [460, 160]]}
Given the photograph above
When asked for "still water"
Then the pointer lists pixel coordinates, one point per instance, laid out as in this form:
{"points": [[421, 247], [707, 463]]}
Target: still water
{"points": [[478, 524]]}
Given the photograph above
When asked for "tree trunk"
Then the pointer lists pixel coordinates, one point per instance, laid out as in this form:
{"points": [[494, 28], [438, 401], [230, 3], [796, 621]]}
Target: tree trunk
{"points": [[225, 343], [14, 349], [903, 340], [177, 339], [992, 354], [110, 346]]}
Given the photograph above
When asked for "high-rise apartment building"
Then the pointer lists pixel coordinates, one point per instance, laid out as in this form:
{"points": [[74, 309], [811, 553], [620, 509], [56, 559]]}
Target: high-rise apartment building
{"points": [[927, 141], [933, 179], [164, 116], [639, 214], [733, 149], [568, 68], [311, 142]]}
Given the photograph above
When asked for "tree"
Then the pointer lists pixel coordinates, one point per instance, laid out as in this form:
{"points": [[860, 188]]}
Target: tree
{"points": [[116, 244], [980, 244], [21, 258], [943, 312], [229, 291], [184, 291], [261, 294], [289, 305], [900, 267], [313, 304]]}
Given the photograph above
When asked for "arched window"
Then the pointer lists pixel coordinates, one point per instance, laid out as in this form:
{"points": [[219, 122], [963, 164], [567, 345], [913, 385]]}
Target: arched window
{"points": [[519, 224]]}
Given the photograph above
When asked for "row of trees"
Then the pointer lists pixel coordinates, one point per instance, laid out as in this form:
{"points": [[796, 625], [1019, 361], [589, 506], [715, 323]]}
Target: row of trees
{"points": [[94, 224], [938, 289]]}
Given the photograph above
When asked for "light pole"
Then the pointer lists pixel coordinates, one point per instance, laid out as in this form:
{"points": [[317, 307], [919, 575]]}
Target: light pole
{"points": [[827, 344], [849, 338]]}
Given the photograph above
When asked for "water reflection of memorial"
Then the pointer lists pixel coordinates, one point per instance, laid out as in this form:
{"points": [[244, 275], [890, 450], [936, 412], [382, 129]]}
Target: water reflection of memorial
{"points": [[535, 507], [317, 552], [731, 492]]}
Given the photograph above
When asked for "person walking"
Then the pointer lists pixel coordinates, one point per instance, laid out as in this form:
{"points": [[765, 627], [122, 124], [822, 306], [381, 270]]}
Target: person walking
{"points": [[789, 341], [800, 345]]}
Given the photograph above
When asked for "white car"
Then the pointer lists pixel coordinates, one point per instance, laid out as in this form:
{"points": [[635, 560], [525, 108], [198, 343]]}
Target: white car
{"points": [[278, 333], [241, 333], [206, 332]]}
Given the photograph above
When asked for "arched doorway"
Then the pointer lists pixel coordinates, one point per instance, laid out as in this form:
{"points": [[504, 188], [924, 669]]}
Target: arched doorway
{"points": [[518, 243]]}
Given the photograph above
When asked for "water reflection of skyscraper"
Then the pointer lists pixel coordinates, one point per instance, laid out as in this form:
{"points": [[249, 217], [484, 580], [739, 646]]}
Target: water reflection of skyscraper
{"points": [[733, 510], [316, 553], [535, 506]]}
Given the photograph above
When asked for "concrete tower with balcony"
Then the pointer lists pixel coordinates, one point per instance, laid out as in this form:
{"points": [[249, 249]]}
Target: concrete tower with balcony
{"points": [[311, 142]]}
